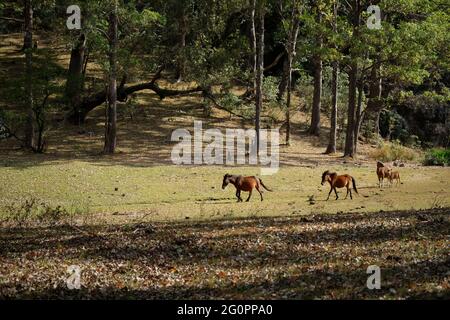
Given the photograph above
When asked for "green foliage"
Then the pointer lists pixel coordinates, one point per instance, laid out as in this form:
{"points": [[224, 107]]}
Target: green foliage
{"points": [[437, 157], [270, 88]]}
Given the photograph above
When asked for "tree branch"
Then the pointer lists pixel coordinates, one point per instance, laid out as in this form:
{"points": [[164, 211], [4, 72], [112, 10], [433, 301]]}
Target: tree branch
{"points": [[12, 19], [275, 62]]}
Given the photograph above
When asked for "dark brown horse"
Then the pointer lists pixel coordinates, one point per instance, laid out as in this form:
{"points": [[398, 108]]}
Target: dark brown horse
{"points": [[244, 184], [336, 181]]}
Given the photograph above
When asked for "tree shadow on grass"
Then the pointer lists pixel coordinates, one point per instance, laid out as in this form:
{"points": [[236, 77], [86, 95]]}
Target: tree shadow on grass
{"points": [[316, 256]]}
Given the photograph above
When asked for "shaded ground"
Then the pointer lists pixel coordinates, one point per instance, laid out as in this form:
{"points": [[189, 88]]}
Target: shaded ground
{"points": [[145, 124], [314, 256]]}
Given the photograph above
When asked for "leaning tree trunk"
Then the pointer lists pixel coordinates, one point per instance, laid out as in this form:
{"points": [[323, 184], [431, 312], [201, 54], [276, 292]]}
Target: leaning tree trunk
{"points": [[28, 48], [318, 65], [111, 110], [259, 73], [331, 148], [74, 84]]}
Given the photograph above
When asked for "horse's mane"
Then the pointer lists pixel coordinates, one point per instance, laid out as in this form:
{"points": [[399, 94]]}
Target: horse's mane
{"points": [[380, 164], [329, 173]]}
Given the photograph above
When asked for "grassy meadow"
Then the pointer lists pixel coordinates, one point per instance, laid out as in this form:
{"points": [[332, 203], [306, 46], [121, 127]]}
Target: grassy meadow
{"points": [[110, 191]]}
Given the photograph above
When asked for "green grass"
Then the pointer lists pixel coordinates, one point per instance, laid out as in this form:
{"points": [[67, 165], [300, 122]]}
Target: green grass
{"points": [[166, 193]]}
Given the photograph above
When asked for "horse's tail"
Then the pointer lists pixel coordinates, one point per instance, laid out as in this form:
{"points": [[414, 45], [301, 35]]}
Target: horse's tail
{"points": [[354, 185], [265, 186]]}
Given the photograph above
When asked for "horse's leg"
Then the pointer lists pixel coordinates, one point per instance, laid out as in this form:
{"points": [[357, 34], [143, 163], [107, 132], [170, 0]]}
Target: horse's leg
{"points": [[346, 196], [249, 196], [331, 190], [260, 193], [351, 197], [238, 195], [335, 191]]}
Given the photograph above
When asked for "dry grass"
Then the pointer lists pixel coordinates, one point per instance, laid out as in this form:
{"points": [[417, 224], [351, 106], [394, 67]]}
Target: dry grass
{"points": [[395, 152]]}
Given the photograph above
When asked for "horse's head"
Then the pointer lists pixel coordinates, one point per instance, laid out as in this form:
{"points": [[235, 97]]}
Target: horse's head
{"points": [[380, 164], [226, 180], [325, 177]]}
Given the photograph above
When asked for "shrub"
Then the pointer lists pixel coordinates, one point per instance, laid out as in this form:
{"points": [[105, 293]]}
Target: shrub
{"points": [[437, 157], [31, 210], [394, 152]]}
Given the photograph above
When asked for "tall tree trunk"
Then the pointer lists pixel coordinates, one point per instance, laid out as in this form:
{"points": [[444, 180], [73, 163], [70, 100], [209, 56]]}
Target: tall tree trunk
{"points": [[359, 113], [259, 72], [352, 87], [284, 80], [75, 76], [374, 102], [253, 42], [28, 48], [318, 66], [181, 68], [292, 44], [111, 111], [334, 92]]}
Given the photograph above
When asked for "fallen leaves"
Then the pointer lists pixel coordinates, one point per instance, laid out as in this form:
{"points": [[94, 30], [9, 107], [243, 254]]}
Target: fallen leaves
{"points": [[309, 257]]}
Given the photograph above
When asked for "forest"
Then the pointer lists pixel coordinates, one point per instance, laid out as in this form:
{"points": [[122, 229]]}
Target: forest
{"points": [[93, 92]]}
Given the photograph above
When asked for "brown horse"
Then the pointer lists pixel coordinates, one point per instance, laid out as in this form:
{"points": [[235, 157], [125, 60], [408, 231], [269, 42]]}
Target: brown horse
{"points": [[244, 184], [383, 172], [335, 181], [394, 175]]}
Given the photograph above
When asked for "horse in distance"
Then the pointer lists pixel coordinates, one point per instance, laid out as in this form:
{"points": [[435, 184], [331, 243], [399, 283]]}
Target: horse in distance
{"points": [[246, 184]]}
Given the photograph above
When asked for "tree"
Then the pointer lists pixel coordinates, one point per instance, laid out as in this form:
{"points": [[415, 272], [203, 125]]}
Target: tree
{"points": [[260, 9], [28, 48], [111, 110], [355, 16], [294, 23], [74, 84], [331, 148], [182, 33], [318, 68]]}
